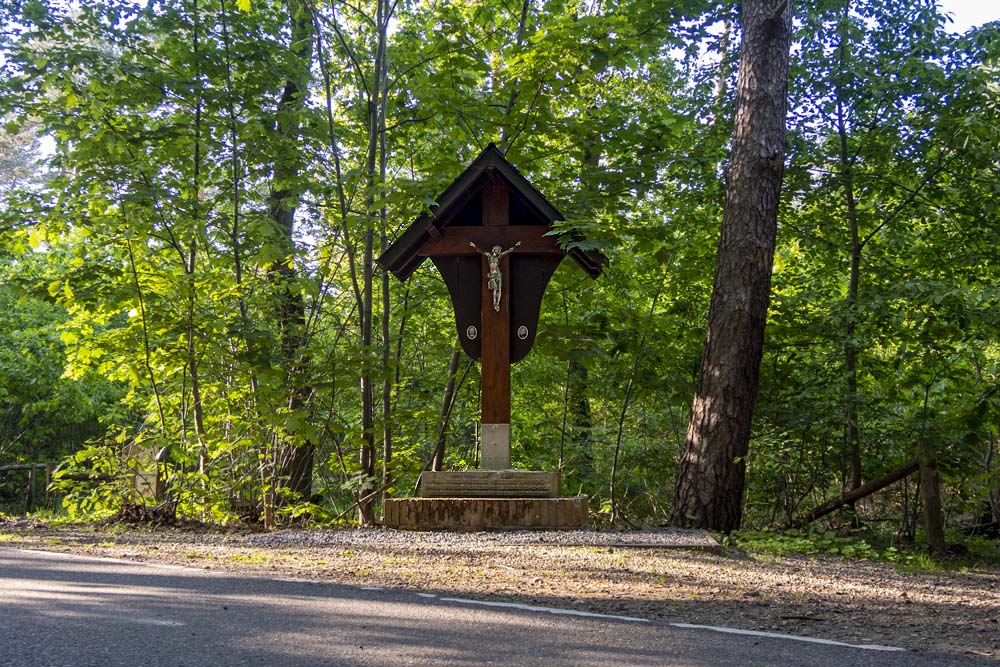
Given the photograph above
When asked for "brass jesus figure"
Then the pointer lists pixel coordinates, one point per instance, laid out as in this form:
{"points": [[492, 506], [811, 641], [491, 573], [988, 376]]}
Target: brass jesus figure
{"points": [[494, 276]]}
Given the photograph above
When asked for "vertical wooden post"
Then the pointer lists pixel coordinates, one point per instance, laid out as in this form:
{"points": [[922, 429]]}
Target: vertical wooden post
{"points": [[495, 348], [50, 468], [930, 488], [29, 500]]}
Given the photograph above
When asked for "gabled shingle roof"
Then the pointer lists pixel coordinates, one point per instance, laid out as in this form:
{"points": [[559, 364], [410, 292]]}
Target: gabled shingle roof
{"points": [[403, 257]]}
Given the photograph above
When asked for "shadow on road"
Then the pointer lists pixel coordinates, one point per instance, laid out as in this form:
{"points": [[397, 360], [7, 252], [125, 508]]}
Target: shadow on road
{"points": [[72, 611]]}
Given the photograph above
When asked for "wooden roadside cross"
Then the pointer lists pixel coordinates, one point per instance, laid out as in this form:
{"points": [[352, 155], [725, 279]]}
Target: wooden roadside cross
{"points": [[488, 238]]}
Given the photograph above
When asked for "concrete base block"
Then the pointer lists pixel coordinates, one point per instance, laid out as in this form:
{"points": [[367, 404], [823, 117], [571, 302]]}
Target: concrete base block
{"points": [[496, 447], [490, 484], [485, 513]]}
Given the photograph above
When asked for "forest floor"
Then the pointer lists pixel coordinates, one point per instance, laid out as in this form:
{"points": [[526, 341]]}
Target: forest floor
{"points": [[642, 574]]}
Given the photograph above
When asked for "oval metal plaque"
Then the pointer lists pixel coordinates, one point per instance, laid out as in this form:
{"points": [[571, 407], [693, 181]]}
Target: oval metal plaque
{"points": [[522, 332], [472, 332]]}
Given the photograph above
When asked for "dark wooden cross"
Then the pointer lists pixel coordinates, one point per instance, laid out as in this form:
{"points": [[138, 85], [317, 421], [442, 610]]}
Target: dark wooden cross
{"points": [[489, 236]]}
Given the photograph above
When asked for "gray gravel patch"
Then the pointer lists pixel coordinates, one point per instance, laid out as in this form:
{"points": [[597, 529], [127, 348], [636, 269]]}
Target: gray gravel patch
{"points": [[661, 538]]}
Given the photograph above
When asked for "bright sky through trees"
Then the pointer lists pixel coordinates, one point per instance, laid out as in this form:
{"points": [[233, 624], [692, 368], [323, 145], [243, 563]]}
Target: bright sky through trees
{"points": [[969, 13]]}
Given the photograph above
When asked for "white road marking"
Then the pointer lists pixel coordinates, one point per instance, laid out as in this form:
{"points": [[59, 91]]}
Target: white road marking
{"points": [[547, 610], [776, 635], [145, 620], [426, 595], [165, 566]]}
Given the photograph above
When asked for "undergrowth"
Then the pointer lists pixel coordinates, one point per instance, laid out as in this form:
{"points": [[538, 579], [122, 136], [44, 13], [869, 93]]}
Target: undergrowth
{"points": [[968, 552]]}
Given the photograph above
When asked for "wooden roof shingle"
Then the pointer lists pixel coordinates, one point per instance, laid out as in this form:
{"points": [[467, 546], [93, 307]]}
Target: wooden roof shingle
{"points": [[403, 256]]}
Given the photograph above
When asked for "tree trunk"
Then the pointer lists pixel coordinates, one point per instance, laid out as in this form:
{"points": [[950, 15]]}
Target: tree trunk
{"points": [[386, 295], [709, 491], [577, 421], [296, 458], [191, 264], [386, 365], [580, 420], [376, 100], [852, 432], [930, 487], [447, 401]]}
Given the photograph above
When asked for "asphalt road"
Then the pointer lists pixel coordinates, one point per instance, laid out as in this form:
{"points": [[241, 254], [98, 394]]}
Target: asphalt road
{"points": [[68, 611]]}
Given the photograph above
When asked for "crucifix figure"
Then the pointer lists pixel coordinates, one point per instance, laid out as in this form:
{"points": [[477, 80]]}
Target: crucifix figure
{"points": [[494, 276]]}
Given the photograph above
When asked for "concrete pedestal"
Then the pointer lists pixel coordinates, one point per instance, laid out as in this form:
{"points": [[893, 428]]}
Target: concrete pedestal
{"points": [[485, 513], [490, 484], [487, 500]]}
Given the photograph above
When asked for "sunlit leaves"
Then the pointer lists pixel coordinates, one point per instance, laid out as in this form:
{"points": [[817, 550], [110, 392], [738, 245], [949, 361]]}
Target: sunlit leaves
{"points": [[617, 112]]}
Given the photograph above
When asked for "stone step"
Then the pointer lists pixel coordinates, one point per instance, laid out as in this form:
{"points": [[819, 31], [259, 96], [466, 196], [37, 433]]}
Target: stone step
{"points": [[490, 484], [485, 513]]}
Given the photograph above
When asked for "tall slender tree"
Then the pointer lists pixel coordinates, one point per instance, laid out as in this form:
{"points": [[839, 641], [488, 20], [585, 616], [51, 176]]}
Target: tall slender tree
{"points": [[285, 190], [709, 491]]}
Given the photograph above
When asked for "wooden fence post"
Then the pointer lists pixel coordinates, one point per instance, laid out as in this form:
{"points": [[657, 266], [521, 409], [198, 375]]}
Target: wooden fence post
{"points": [[29, 497], [50, 468], [930, 486]]}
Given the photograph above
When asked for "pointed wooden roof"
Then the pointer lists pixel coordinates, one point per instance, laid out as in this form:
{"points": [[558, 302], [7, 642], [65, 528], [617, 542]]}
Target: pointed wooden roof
{"points": [[403, 257]]}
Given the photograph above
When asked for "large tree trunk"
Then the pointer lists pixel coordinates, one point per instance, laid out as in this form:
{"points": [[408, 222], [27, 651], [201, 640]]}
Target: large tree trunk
{"points": [[710, 484]]}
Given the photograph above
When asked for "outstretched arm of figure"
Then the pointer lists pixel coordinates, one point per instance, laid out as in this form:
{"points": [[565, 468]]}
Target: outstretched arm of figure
{"points": [[509, 250]]}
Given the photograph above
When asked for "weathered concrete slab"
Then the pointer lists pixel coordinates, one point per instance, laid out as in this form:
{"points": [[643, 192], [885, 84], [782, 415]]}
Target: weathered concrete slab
{"points": [[490, 484], [485, 513]]}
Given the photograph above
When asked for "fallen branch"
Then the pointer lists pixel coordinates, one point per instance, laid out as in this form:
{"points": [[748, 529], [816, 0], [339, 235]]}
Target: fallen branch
{"points": [[871, 487], [362, 499]]}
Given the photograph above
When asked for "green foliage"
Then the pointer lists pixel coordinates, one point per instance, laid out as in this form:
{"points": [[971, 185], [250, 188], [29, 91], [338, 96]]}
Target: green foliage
{"points": [[93, 482], [803, 542], [911, 557], [812, 543], [184, 275]]}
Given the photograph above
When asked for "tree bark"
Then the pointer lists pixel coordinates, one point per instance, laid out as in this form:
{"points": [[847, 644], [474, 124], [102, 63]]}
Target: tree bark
{"points": [[296, 458], [709, 492], [191, 265], [930, 488], [376, 100], [447, 401], [852, 431], [581, 422]]}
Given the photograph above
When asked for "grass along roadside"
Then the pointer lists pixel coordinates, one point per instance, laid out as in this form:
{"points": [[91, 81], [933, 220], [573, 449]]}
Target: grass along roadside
{"points": [[970, 552]]}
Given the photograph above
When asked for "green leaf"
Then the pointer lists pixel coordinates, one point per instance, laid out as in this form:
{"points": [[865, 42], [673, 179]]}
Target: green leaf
{"points": [[243, 5], [37, 236]]}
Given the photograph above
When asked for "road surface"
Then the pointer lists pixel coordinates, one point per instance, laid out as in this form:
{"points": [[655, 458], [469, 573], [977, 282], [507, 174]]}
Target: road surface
{"points": [[60, 610]]}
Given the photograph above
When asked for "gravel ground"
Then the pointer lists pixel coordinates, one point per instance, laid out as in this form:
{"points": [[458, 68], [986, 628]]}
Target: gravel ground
{"points": [[671, 575]]}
